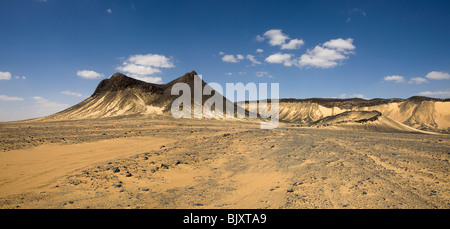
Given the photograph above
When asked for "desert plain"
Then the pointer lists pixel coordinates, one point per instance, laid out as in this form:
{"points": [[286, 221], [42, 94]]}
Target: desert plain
{"points": [[152, 161]]}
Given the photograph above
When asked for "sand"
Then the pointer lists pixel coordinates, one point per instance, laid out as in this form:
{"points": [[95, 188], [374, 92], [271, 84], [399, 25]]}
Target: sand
{"points": [[29, 169], [190, 163]]}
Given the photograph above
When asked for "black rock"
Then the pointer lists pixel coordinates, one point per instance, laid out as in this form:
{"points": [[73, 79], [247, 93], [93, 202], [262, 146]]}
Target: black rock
{"points": [[116, 170]]}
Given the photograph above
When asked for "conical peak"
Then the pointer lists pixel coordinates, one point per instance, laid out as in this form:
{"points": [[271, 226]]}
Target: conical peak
{"points": [[190, 74], [117, 75]]}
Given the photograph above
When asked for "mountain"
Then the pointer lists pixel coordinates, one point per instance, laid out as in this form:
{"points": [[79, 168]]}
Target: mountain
{"points": [[122, 95], [418, 112]]}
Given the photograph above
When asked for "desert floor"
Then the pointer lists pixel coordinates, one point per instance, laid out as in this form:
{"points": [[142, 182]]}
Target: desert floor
{"points": [[160, 162]]}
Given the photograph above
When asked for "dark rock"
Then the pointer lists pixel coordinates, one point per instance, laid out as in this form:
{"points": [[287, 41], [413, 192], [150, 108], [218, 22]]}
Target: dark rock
{"points": [[116, 170]]}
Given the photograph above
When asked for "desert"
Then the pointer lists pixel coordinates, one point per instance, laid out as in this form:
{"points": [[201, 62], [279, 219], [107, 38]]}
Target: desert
{"points": [[121, 149]]}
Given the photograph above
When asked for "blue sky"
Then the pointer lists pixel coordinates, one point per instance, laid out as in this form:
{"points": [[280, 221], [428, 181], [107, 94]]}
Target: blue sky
{"points": [[53, 53]]}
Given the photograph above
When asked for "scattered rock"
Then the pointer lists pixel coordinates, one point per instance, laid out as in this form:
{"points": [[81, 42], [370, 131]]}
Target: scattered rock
{"points": [[145, 189], [116, 170], [164, 166], [227, 134], [290, 190], [128, 174]]}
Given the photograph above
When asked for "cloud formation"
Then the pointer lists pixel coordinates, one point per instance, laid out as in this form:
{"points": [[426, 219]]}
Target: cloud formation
{"points": [[329, 55], [10, 98], [280, 58], [277, 38], [435, 75], [141, 67], [263, 74], [88, 74], [347, 96], [395, 78], [253, 59], [417, 80], [441, 94], [5, 75], [232, 58], [71, 93]]}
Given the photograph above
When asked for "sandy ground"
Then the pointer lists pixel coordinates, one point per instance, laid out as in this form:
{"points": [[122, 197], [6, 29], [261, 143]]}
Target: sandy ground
{"points": [[160, 162]]}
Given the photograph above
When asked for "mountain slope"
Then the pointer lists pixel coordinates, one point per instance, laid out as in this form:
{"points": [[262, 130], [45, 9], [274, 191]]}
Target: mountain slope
{"points": [[418, 112], [122, 95]]}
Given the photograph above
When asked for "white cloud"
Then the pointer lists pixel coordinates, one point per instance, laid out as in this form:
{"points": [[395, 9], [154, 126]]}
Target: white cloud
{"points": [[151, 60], [5, 75], [279, 58], [253, 59], [340, 44], [259, 50], [228, 73], [71, 93], [345, 96], [329, 55], [142, 66], [44, 106], [88, 74], [263, 74], [417, 80], [395, 78], [232, 58], [10, 98], [140, 70], [109, 11], [277, 38], [321, 57], [358, 10], [259, 38], [435, 75], [293, 44], [441, 94]]}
